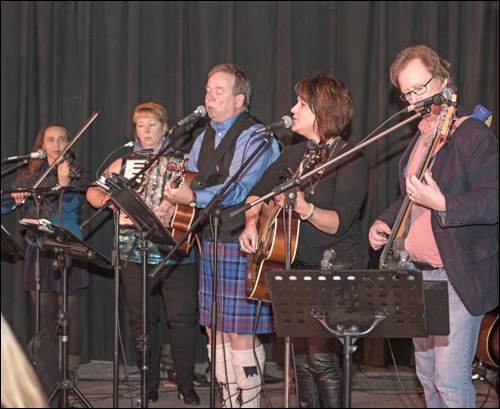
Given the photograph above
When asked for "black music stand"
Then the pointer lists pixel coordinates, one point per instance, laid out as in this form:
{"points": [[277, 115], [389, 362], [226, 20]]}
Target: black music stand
{"points": [[351, 304], [151, 229], [65, 245], [10, 249]]}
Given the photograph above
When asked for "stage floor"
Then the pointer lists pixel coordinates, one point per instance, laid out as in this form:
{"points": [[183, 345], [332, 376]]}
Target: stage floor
{"points": [[371, 387]]}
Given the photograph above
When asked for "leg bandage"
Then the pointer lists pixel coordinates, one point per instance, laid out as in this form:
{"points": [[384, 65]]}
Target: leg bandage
{"points": [[249, 374]]}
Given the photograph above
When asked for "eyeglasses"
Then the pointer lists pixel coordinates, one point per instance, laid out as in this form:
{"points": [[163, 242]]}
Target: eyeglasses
{"points": [[421, 89]]}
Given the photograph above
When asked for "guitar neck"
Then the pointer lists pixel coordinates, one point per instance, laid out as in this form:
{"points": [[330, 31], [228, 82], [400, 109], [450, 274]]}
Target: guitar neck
{"points": [[400, 227]]}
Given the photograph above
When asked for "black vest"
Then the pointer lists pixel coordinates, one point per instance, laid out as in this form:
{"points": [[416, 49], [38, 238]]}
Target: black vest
{"points": [[230, 228]]}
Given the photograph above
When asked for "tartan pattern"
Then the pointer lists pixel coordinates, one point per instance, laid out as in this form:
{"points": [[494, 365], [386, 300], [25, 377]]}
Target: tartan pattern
{"points": [[235, 314]]}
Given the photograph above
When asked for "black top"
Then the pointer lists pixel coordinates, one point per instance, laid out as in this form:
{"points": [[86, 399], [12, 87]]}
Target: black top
{"points": [[342, 187]]}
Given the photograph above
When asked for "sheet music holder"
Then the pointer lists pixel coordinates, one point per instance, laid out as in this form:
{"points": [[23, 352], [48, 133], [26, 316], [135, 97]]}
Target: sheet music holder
{"points": [[134, 207], [10, 248], [354, 297], [350, 304], [57, 239]]}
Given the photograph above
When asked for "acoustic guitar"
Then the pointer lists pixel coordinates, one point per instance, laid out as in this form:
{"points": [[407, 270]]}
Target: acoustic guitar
{"points": [[271, 240], [394, 247], [184, 214], [488, 341]]}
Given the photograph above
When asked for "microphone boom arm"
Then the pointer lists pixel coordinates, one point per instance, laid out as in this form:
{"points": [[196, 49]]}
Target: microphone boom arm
{"points": [[298, 180]]}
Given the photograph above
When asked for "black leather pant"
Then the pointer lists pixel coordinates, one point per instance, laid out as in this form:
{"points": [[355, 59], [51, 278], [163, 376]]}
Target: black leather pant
{"points": [[319, 372], [319, 360]]}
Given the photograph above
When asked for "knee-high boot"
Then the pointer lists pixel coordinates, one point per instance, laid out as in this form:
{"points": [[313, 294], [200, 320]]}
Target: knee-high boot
{"points": [[248, 375], [327, 371], [224, 372], [307, 390]]}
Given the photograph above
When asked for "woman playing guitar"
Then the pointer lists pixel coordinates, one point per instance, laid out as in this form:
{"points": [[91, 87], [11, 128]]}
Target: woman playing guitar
{"points": [[328, 207]]}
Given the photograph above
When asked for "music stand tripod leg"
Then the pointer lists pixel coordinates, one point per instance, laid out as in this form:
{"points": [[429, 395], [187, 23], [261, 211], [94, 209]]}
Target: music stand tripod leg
{"points": [[63, 262]]}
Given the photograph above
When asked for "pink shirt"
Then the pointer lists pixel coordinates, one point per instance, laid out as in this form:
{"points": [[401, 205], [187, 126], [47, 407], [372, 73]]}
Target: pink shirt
{"points": [[420, 242]]}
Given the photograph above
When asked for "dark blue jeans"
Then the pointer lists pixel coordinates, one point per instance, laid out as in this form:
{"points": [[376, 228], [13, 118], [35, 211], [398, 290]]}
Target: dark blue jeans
{"points": [[178, 286]]}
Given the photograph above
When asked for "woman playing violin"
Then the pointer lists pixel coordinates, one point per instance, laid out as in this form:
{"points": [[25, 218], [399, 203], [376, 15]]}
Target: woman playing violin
{"points": [[58, 198]]}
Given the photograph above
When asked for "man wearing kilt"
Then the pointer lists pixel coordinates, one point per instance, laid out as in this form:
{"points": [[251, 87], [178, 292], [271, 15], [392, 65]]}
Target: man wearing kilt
{"points": [[216, 155]]}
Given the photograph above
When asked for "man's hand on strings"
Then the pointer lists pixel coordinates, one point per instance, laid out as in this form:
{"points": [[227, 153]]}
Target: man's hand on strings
{"points": [[425, 193], [378, 234], [249, 239], [181, 195]]}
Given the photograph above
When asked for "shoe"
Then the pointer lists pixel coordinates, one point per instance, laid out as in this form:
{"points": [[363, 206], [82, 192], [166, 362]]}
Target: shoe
{"points": [[152, 396], [190, 397]]}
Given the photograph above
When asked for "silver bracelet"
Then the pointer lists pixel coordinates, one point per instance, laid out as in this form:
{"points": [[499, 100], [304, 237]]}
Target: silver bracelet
{"points": [[310, 214]]}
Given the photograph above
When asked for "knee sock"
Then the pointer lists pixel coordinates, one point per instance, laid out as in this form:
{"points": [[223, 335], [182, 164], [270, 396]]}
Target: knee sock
{"points": [[249, 376], [224, 373]]}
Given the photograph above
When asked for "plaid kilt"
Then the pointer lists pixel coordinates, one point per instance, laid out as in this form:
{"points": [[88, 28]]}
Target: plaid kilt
{"points": [[235, 314]]}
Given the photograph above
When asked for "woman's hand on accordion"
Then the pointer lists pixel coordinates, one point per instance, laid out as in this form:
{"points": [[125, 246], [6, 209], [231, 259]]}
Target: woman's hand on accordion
{"points": [[165, 212]]}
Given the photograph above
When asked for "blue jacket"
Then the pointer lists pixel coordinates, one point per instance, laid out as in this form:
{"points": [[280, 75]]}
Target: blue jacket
{"points": [[466, 170]]}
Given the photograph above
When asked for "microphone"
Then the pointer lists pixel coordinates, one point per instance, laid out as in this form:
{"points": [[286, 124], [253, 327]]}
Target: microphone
{"points": [[193, 117], [437, 99], [39, 154], [284, 122]]}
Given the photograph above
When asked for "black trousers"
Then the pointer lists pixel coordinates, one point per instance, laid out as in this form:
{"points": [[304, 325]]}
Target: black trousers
{"points": [[178, 287]]}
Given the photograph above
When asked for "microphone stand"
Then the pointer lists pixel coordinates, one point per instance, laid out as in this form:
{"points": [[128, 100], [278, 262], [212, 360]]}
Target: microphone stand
{"points": [[115, 261], [291, 196], [24, 162], [298, 180], [213, 204]]}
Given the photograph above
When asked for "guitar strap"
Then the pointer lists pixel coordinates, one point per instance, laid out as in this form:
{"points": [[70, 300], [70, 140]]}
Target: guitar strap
{"points": [[209, 164]]}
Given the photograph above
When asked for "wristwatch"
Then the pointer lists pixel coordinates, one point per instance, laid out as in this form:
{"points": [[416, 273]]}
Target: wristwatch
{"points": [[192, 203]]}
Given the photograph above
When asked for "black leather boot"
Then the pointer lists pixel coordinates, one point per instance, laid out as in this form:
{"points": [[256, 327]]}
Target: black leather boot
{"points": [[307, 390], [331, 393], [327, 371]]}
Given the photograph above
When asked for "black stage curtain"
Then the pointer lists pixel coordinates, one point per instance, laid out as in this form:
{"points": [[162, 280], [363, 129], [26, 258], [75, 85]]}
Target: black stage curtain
{"points": [[62, 61]]}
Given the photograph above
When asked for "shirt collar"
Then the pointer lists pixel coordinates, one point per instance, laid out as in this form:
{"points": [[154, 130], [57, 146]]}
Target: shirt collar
{"points": [[224, 126]]}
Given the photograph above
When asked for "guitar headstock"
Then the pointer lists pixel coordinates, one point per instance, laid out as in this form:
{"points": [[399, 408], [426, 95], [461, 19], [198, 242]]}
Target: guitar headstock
{"points": [[311, 157], [177, 173]]}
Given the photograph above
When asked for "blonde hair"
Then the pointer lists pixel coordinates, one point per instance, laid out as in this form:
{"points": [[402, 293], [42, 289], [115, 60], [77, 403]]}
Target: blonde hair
{"points": [[153, 109], [20, 386]]}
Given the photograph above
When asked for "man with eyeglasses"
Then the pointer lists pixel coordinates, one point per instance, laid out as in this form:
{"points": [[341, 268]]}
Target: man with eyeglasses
{"points": [[418, 90], [453, 232]]}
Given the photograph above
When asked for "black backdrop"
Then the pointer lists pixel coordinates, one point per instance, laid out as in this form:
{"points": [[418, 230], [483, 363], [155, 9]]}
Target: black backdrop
{"points": [[61, 61]]}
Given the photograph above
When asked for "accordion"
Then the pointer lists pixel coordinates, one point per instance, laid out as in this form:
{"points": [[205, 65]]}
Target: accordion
{"points": [[151, 184]]}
